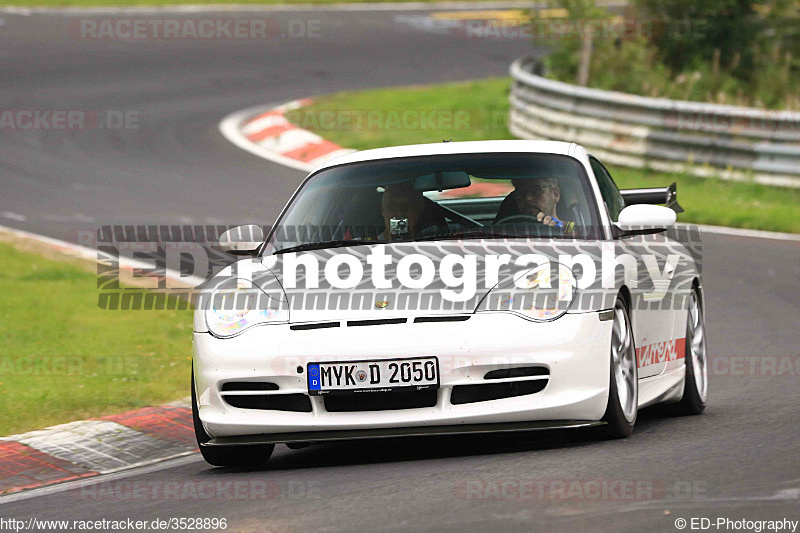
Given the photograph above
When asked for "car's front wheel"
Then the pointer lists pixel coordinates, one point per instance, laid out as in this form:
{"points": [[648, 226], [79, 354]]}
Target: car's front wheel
{"points": [[250, 455], [695, 387], [623, 388]]}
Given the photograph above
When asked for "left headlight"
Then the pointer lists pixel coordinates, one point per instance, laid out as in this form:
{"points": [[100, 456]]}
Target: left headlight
{"points": [[541, 294], [233, 310]]}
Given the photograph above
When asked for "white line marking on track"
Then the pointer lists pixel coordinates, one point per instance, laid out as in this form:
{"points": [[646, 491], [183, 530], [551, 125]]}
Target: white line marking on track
{"points": [[92, 254], [260, 124], [15, 216], [290, 140], [752, 233]]}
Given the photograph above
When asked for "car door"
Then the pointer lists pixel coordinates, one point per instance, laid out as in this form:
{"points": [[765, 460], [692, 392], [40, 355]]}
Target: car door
{"points": [[653, 327]]}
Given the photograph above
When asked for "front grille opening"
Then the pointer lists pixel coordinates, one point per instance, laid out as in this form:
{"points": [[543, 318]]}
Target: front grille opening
{"points": [[457, 318], [494, 391], [248, 385], [378, 322], [299, 403], [318, 325], [518, 372], [379, 401]]}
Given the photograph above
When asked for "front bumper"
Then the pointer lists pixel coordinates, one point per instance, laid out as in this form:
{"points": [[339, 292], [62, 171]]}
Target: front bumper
{"points": [[574, 348]]}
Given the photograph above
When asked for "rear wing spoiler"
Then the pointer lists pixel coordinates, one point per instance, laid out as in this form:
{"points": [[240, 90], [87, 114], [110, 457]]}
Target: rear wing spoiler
{"points": [[657, 195]]}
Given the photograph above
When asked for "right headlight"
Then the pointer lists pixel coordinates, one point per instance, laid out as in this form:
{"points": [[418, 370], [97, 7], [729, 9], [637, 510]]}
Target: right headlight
{"points": [[231, 311], [541, 294]]}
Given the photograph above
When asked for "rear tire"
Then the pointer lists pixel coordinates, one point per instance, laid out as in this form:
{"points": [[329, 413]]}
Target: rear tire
{"points": [[248, 455], [623, 388], [695, 387]]}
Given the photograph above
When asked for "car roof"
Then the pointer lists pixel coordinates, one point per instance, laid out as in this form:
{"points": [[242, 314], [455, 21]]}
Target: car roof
{"points": [[466, 147]]}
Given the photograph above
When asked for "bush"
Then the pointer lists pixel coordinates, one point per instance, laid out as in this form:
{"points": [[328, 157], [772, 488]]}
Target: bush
{"points": [[721, 52]]}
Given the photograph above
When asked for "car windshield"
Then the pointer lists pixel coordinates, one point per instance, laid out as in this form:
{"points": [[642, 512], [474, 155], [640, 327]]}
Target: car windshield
{"points": [[439, 197]]}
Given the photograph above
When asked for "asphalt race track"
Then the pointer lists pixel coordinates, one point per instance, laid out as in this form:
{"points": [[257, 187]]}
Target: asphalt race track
{"points": [[740, 459]]}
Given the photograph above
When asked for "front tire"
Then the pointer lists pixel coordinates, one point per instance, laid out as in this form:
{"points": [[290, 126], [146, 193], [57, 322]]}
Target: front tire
{"points": [[695, 388], [251, 455], [623, 388]]}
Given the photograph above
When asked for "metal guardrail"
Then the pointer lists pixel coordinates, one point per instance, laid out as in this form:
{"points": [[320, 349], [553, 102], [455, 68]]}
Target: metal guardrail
{"points": [[702, 139]]}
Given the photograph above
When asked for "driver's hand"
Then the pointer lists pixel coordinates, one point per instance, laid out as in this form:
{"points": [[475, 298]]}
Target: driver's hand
{"points": [[547, 220]]}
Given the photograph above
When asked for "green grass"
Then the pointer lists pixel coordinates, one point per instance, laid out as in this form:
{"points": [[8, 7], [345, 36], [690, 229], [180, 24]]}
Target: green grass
{"points": [[478, 109], [723, 203], [63, 358], [369, 119]]}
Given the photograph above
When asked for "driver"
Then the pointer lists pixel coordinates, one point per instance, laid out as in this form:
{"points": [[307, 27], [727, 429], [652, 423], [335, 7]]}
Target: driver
{"points": [[534, 198], [407, 213]]}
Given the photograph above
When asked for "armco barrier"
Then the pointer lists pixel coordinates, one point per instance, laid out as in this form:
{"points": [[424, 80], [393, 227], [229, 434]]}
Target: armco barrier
{"points": [[657, 133]]}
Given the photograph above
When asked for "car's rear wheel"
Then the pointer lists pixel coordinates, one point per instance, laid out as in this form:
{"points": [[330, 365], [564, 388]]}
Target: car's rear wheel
{"points": [[695, 388], [251, 455], [623, 388]]}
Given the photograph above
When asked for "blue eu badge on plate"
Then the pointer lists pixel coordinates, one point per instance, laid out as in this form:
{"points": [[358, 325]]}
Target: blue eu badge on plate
{"points": [[313, 377]]}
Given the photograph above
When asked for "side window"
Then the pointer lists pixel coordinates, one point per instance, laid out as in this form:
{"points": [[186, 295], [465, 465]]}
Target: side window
{"points": [[608, 189]]}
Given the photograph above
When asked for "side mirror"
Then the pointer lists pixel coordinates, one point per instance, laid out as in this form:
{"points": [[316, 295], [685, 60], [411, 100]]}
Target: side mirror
{"points": [[645, 219], [242, 240]]}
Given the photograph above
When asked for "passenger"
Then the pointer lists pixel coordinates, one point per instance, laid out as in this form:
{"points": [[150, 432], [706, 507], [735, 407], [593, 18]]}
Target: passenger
{"points": [[407, 213]]}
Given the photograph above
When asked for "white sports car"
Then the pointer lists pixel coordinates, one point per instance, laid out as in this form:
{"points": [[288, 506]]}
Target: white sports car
{"points": [[449, 288]]}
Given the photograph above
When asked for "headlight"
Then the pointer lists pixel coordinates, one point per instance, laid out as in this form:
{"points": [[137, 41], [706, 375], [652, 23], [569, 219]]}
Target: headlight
{"points": [[540, 294], [231, 311]]}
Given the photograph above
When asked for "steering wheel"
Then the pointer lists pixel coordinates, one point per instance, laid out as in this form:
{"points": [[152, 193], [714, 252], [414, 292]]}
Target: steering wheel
{"points": [[520, 218]]}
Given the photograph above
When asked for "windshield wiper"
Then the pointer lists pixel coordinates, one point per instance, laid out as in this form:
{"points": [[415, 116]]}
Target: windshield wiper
{"points": [[325, 244]]}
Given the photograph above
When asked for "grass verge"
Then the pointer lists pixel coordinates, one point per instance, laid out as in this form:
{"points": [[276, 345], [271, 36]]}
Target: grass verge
{"points": [[477, 110], [63, 358]]}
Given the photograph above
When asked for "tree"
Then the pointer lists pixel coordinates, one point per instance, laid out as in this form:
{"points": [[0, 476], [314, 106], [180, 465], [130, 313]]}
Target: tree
{"points": [[688, 32]]}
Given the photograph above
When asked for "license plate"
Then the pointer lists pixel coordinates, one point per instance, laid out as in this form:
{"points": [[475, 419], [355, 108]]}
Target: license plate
{"points": [[373, 376]]}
